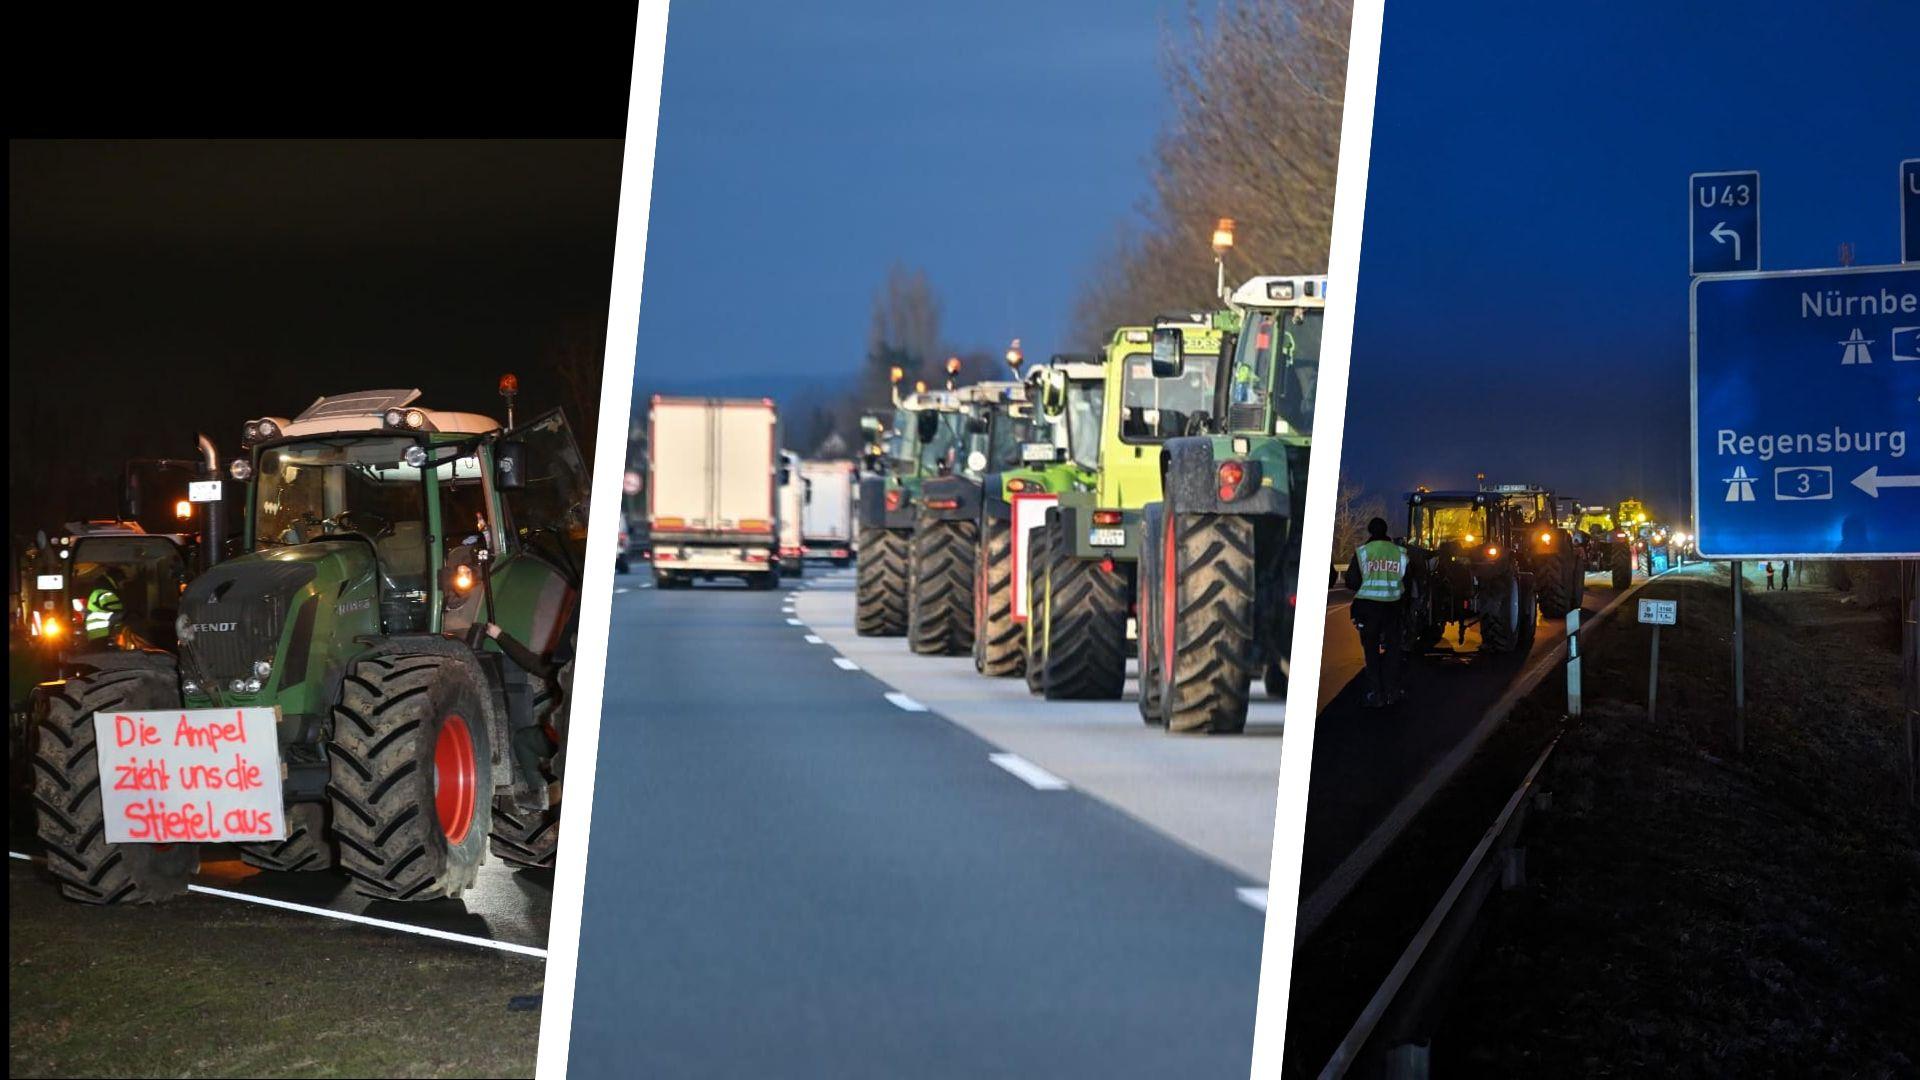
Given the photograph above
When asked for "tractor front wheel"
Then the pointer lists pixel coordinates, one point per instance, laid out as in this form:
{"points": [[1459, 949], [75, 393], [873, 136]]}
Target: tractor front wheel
{"points": [[1147, 590], [70, 817], [1622, 566], [411, 777], [1085, 656], [305, 848], [525, 838], [996, 637], [1500, 614]]}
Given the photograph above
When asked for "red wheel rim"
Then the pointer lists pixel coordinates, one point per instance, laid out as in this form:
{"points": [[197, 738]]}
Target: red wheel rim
{"points": [[454, 778], [1168, 597]]}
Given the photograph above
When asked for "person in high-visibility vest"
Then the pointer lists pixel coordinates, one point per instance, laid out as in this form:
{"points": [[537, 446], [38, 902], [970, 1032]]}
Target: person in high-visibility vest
{"points": [[1378, 577], [103, 604]]}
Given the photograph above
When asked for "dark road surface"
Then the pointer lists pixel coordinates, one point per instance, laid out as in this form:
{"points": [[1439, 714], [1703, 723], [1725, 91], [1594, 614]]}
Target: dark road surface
{"points": [[794, 875], [1366, 762]]}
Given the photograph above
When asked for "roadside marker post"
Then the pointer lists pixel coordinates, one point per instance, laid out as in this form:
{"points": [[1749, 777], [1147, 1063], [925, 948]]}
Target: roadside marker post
{"points": [[1656, 613], [1573, 664], [1738, 735]]}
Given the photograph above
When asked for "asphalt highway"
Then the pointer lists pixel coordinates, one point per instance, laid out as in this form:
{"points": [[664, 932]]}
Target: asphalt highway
{"points": [[800, 869]]}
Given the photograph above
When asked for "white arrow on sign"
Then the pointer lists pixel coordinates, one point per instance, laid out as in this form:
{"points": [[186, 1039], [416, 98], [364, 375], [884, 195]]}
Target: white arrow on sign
{"points": [[1871, 481], [1723, 234]]}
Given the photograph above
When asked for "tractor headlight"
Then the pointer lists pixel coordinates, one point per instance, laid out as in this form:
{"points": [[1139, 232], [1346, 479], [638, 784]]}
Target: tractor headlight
{"points": [[262, 668], [268, 430], [416, 419], [241, 469], [238, 686], [395, 417], [415, 456], [190, 687], [253, 686]]}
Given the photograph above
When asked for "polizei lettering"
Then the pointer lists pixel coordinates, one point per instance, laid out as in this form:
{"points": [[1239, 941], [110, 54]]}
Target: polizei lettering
{"points": [[1837, 441], [1832, 303]]}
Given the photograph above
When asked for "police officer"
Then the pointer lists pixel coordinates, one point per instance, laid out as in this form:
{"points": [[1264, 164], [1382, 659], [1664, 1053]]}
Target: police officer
{"points": [[1377, 575]]}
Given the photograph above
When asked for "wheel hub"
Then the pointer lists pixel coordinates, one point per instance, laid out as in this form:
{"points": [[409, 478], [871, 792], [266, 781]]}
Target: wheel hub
{"points": [[454, 778]]}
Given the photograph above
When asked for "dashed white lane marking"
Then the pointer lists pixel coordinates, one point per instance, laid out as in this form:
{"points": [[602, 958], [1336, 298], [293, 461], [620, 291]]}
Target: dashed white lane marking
{"points": [[1036, 777], [363, 920], [795, 622], [1252, 897], [845, 664], [815, 639], [618, 589], [905, 702]]}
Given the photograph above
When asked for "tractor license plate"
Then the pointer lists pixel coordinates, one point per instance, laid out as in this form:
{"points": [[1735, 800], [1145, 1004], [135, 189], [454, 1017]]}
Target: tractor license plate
{"points": [[1107, 537]]}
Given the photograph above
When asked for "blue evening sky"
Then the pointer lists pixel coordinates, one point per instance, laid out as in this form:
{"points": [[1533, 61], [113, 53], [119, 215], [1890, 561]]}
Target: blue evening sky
{"points": [[806, 146], [1523, 293]]}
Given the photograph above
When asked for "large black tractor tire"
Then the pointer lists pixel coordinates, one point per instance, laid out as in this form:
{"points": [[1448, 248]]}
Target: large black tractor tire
{"points": [[1557, 581], [880, 584], [305, 848], [525, 838], [1085, 658], [1620, 561], [1500, 615], [1034, 637], [411, 777], [66, 794], [1148, 606], [940, 619], [997, 648], [1208, 589], [1275, 680]]}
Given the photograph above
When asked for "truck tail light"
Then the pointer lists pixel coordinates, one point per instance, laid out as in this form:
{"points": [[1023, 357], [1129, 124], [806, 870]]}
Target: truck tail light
{"points": [[895, 498], [943, 504], [1106, 517]]}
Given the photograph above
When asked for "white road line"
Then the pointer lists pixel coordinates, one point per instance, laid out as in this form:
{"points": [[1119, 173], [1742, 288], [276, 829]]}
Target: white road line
{"points": [[618, 589], [815, 639], [845, 664], [1036, 777], [905, 702], [1252, 897], [363, 920], [795, 622]]}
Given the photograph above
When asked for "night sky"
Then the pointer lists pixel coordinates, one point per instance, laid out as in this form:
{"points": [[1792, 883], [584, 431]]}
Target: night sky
{"points": [[804, 147], [1523, 296], [159, 289]]}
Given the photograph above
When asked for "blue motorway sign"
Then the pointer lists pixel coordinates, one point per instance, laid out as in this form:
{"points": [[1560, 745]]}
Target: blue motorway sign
{"points": [[1910, 210], [1725, 215], [1806, 407]]}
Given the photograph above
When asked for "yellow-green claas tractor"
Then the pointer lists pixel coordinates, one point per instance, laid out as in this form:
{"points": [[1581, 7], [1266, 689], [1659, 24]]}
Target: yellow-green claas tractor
{"points": [[406, 600], [1083, 558]]}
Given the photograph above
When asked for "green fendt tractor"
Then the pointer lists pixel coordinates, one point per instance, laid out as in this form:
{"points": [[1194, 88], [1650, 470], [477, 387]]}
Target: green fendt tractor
{"points": [[943, 553], [1554, 555], [383, 541], [1220, 561], [1082, 561], [926, 437], [1036, 457]]}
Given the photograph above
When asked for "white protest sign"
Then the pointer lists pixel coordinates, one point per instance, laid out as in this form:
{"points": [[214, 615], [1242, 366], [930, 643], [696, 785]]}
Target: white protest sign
{"points": [[178, 776]]}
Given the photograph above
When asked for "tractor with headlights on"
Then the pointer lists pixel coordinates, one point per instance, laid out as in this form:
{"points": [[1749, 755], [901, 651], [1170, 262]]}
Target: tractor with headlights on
{"points": [[405, 601]]}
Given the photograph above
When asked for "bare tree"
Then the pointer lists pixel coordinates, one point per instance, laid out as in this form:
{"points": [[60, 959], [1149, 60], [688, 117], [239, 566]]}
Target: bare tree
{"points": [[1352, 509], [904, 333], [576, 357], [1255, 136]]}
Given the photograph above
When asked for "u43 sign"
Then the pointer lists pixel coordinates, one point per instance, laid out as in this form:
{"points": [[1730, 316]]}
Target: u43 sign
{"points": [[1806, 405]]}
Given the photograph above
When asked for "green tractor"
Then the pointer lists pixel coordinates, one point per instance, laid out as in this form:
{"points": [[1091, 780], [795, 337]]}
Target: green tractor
{"points": [[927, 436], [1082, 559], [1035, 454], [406, 601], [1220, 564], [943, 560], [1555, 556], [1468, 567]]}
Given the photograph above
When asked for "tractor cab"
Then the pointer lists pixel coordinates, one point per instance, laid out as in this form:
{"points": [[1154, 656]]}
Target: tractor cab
{"points": [[1269, 363], [104, 584]]}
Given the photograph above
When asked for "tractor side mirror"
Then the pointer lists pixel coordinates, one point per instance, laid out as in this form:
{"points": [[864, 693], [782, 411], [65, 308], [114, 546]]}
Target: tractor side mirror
{"points": [[510, 465], [927, 424], [1169, 354], [871, 425], [1053, 392]]}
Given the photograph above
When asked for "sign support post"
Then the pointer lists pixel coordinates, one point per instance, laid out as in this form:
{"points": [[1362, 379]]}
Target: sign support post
{"points": [[1657, 613], [1738, 736], [1910, 663]]}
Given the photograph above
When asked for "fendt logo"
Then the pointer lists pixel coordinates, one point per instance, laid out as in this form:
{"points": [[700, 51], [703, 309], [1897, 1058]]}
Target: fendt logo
{"points": [[186, 630]]}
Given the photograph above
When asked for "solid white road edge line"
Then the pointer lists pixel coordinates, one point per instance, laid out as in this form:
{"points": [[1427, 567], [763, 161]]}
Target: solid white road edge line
{"points": [[1036, 777], [905, 702], [364, 920], [845, 664], [1252, 897]]}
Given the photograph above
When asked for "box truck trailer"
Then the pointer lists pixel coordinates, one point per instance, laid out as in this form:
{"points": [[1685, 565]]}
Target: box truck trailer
{"points": [[713, 492]]}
